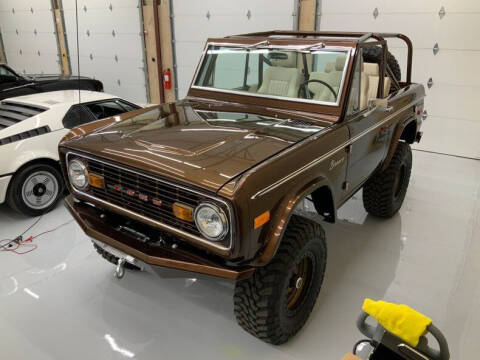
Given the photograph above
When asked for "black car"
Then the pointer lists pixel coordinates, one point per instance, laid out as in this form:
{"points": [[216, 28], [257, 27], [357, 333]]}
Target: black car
{"points": [[13, 84]]}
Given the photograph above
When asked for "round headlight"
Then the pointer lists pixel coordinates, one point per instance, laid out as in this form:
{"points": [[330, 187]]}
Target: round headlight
{"points": [[211, 221], [78, 174]]}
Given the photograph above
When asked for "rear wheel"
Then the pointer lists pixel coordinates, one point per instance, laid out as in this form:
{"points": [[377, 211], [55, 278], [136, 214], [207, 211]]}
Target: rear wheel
{"points": [[383, 193], [276, 301], [35, 189]]}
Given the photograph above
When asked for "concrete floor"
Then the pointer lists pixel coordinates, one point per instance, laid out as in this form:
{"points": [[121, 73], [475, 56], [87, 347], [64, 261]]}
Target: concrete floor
{"points": [[62, 302]]}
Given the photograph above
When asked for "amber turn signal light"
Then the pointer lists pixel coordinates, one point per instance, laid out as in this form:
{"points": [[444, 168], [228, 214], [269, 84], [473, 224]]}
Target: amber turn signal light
{"points": [[183, 212], [96, 181], [261, 219]]}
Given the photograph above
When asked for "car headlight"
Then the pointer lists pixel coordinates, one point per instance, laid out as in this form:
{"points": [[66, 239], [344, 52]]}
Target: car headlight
{"points": [[211, 221], [78, 174]]}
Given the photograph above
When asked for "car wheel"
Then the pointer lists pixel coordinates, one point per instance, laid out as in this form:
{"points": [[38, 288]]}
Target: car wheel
{"points": [[35, 189], [383, 194], [276, 301], [112, 258]]}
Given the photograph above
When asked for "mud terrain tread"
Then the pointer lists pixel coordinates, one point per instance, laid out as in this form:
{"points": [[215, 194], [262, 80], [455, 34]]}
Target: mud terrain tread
{"points": [[256, 299], [378, 197]]}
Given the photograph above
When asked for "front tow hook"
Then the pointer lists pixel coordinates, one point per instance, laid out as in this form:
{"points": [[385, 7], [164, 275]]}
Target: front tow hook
{"points": [[120, 269]]}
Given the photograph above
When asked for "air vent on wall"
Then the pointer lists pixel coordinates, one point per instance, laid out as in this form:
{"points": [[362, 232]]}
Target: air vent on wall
{"points": [[12, 113]]}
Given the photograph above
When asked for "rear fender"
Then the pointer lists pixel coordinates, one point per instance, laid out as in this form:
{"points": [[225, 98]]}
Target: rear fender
{"points": [[397, 135]]}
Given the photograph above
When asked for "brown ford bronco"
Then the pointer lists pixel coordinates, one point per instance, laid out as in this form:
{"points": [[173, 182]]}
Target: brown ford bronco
{"points": [[209, 184]]}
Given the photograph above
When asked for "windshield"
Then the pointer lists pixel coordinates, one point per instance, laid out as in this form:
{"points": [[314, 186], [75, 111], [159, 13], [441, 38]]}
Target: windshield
{"points": [[315, 76]]}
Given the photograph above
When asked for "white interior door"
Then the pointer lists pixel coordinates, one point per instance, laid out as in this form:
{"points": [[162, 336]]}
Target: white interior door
{"points": [[29, 36], [453, 125], [195, 21], [110, 42]]}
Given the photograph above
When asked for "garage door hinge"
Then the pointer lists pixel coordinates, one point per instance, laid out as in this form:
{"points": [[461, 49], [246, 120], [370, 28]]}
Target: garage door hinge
{"points": [[441, 13]]}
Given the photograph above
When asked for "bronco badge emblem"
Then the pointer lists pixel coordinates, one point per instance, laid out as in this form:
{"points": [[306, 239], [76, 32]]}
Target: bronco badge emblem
{"points": [[335, 163]]}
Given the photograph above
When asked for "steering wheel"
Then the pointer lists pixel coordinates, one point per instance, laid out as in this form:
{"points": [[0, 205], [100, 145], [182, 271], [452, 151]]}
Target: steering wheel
{"points": [[307, 91]]}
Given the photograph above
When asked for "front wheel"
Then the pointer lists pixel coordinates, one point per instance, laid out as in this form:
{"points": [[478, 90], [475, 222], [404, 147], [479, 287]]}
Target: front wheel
{"points": [[383, 193], [276, 301], [35, 189]]}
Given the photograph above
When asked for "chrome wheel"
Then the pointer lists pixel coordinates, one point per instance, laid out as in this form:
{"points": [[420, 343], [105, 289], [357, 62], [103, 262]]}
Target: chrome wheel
{"points": [[40, 190]]}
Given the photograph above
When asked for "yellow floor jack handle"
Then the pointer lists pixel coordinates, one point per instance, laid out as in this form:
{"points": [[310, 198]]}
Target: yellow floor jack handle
{"points": [[400, 333]]}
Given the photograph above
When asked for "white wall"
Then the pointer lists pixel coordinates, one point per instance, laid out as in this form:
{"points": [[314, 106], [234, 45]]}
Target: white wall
{"points": [[453, 125], [26, 51], [124, 77], [227, 17]]}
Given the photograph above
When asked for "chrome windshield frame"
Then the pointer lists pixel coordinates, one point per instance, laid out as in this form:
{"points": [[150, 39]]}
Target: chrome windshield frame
{"points": [[262, 45]]}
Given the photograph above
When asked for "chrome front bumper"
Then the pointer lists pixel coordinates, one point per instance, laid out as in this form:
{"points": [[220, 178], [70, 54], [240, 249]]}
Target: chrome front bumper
{"points": [[157, 259]]}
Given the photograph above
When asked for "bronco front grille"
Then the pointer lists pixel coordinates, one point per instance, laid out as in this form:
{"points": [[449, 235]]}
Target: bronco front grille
{"points": [[143, 195]]}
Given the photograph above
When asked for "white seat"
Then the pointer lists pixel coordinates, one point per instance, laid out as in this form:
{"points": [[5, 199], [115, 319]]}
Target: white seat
{"points": [[283, 77], [333, 77]]}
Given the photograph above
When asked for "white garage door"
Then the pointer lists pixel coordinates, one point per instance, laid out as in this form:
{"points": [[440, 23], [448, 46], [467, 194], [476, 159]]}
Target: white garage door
{"points": [[453, 125], [111, 47], [29, 36], [195, 21]]}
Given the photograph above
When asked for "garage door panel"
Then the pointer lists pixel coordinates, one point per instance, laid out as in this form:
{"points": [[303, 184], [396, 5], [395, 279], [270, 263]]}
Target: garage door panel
{"points": [[185, 75], [467, 6], [228, 17], [25, 21], [453, 101], [276, 8], [28, 37], [450, 136], [220, 25], [447, 67], [455, 90], [106, 70], [134, 91], [367, 6], [460, 31], [118, 19], [194, 48], [424, 29], [124, 45], [387, 6], [111, 58], [422, 36]]}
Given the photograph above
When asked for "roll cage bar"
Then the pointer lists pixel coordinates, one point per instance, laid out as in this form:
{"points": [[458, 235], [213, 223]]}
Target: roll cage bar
{"points": [[360, 39]]}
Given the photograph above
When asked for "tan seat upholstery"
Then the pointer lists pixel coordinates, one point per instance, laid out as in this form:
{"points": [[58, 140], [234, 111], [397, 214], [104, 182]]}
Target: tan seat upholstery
{"points": [[369, 84], [329, 66], [387, 83], [333, 78], [370, 78], [283, 77]]}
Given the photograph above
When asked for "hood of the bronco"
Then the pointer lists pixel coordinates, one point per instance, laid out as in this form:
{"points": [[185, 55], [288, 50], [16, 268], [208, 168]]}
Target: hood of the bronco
{"points": [[204, 144]]}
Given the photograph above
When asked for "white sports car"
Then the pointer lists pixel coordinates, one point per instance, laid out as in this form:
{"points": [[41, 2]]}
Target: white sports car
{"points": [[31, 127]]}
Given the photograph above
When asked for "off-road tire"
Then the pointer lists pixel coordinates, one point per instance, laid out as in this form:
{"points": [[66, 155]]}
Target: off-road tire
{"points": [[112, 258], [382, 195], [261, 300], [14, 194], [374, 54]]}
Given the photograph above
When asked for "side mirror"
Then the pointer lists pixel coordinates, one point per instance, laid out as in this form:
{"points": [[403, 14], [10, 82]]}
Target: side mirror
{"points": [[378, 105]]}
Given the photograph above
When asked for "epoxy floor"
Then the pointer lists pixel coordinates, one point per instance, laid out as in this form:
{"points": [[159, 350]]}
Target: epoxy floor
{"points": [[61, 301]]}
